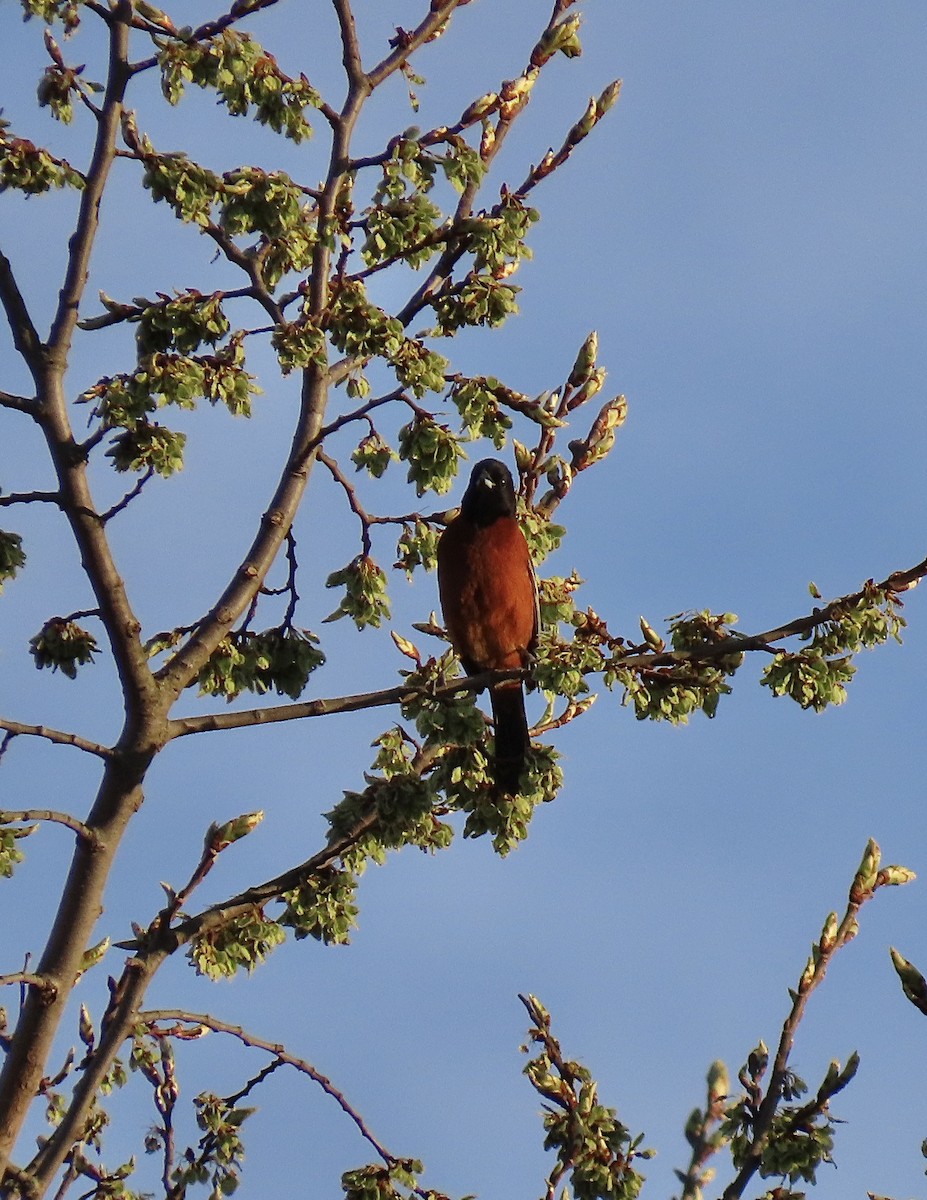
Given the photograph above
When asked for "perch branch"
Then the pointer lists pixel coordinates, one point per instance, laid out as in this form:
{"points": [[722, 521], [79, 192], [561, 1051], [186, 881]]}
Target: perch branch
{"points": [[58, 736]]}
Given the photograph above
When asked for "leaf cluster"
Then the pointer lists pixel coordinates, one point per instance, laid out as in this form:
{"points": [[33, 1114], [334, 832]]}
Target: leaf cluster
{"points": [[279, 660], [477, 400], [67, 11], [10, 855], [218, 1159], [799, 1137], [816, 677], [30, 169], [323, 907], [182, 323], [365, 598], [12, 556], [242, 942], [383, 1181], [126, 402], [63, 646], [244, 75], [433, 453], [417, 547]]}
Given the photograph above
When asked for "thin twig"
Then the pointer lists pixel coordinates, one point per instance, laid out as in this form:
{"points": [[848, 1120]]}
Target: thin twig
{"points": [[5, 742], [79, 614], [25, 336], [59, 737], [402, 694], [812, 978], [358, 414], [30, 498], [260, 894], [410, 42], [154, 1018], [25, 978], [292, 570], [25, 815], [351, 493], [24, 404], [127, 498]]}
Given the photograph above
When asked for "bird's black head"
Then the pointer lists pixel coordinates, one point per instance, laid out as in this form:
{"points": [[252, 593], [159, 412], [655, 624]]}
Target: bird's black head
{"points": [[490, 493]]}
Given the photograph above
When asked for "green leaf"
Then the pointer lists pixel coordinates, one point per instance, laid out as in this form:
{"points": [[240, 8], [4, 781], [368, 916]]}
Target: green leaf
{"points": [[432, 452]]}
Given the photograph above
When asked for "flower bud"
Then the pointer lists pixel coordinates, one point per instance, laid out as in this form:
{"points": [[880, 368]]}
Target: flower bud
{"points": [[585, 360], [864, 882], [480, 108]]}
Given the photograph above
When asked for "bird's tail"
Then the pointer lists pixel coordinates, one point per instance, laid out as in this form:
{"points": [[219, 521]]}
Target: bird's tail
{"points": [[512, 740]]}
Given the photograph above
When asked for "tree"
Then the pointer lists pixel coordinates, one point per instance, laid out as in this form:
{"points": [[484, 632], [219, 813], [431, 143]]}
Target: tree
{"points": [[345, 293]]}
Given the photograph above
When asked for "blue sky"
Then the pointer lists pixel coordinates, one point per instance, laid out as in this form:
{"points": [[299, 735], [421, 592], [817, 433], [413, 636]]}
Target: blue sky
{"points": [[746, 233]]}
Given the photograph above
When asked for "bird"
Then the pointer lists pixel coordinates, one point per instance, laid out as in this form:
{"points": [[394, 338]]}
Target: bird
{"points": [[489, 598]]}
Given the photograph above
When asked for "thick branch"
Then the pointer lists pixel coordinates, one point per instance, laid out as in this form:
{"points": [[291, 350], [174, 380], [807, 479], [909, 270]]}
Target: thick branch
{"points": [[350, 48], [119, 794], [117, 1025], [81, 244]]}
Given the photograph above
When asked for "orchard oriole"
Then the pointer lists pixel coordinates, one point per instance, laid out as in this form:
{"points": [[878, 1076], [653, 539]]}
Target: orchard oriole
{"points": [[489, 598]]}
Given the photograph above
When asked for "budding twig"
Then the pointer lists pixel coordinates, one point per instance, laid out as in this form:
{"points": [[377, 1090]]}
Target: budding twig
{"points": [[155, 1019]]}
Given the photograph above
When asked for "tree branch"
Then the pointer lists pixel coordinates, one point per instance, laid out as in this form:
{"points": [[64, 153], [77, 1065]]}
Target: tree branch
{"points": [[25, 337], [59, 737], [277, 520], [81, 244], [262, 893], [212, 722], [117, 1025], [155, 1017], [23, 977], [23, 404], [408, 43], [868, 879], [30, 498], [350, 49], [9, 816], [119, 793], [350, 492], [127, 499]]}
